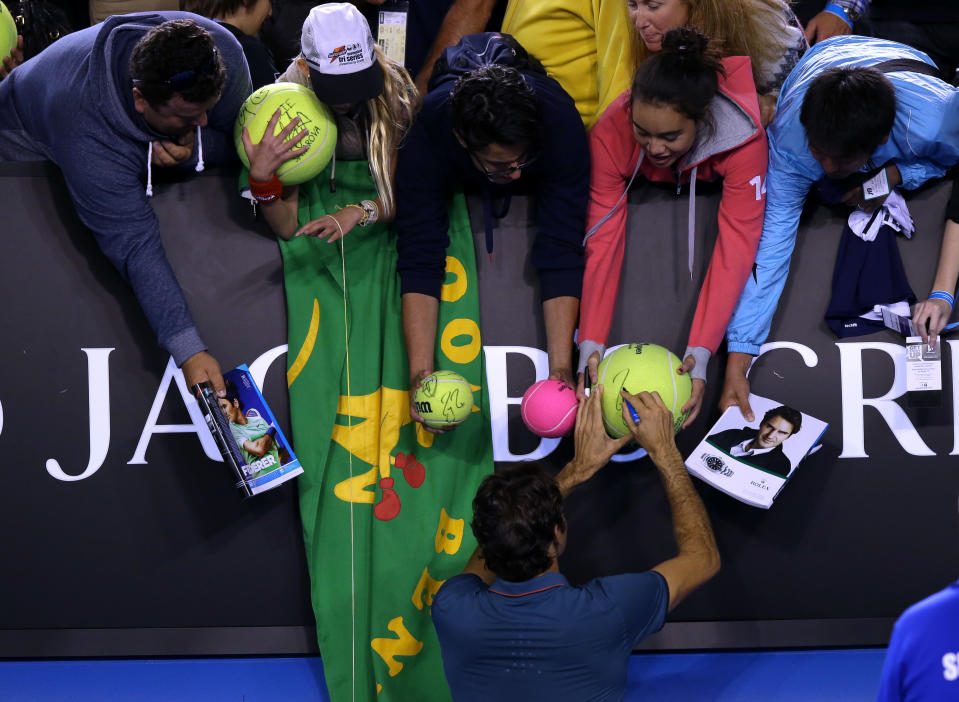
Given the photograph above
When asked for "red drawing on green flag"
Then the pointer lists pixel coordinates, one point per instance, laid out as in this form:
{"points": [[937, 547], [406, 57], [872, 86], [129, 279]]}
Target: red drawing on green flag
{"points": [[385, 505]]}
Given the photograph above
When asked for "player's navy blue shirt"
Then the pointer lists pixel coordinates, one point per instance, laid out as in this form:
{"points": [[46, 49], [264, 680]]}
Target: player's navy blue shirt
{"points": [[923, 658], [544, 639]]}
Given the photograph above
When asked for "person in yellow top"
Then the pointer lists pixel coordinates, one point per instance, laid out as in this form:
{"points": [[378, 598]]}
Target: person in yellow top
{"points": [[586, 45]]}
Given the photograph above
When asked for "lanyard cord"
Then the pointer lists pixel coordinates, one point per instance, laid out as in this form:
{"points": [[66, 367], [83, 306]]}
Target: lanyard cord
{"points": [[349, 420], [601, 222]]}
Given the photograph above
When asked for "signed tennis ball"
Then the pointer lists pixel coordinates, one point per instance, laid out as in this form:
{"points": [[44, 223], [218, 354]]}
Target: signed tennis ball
{"points": [[444, 399], [292, 101], [549, 408], [8, 31], [637, 368]]}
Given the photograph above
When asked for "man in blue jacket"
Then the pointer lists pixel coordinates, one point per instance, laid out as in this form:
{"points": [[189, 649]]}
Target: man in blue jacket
{"points": [[108, 104], [492, 120], [853, 108], [922, 662]]}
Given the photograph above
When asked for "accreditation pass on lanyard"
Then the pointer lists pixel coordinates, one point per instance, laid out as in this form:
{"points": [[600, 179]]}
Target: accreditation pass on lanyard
{"points": [[391, 29], [877, 186]]}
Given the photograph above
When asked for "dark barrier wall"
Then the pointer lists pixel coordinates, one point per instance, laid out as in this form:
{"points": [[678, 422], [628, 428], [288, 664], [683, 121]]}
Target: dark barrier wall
{"points": [[123, 538], [145, 548]]}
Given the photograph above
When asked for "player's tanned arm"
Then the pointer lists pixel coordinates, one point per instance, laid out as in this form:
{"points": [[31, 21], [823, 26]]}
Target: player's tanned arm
{"points": [[593, 446], [698, 558]]}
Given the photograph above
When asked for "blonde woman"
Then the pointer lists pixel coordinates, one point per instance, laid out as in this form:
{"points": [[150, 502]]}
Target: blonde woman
{"points": [[374, 101], [766, 31]]}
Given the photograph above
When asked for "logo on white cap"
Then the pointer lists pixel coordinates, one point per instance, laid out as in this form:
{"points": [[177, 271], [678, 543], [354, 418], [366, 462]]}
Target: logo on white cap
{"points": [[349, 54]]}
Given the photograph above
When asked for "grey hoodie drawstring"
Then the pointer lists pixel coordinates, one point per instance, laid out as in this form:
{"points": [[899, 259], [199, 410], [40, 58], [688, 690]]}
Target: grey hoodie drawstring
{"points": [[199, 163], [199, 146], [691, 223], [150, 169]]}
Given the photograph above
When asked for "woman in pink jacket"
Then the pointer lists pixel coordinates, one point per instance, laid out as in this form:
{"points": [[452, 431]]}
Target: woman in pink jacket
{"points": [[689, 116]]}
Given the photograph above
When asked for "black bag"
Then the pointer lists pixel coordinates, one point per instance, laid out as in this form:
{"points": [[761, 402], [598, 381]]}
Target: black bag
{"points": [[40, 23], [281, 30], [475, 50]]}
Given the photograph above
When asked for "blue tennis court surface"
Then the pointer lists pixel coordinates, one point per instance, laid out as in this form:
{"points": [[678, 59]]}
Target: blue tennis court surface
{"points": [[787, 676]]}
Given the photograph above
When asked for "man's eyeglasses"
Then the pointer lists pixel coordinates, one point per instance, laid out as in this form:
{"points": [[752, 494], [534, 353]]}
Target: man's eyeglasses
{"points": [[500, 173], [184, 80]]}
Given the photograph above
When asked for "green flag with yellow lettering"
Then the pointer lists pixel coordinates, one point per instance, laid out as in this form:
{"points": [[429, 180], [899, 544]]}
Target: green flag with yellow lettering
{"points": [[385, 505]]}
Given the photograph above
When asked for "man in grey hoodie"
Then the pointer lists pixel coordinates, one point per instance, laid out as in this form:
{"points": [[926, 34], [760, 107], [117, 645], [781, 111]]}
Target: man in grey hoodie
{"points": [[108, 104]]}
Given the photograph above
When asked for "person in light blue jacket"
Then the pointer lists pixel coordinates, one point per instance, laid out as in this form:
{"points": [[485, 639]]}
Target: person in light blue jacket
{"points": [[853, 108]]}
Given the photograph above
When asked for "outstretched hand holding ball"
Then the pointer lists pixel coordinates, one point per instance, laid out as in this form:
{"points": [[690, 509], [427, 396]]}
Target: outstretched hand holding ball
{"points": [[549, 408], [442, 400], [592, 370], [294, 146], [274, 149], [637, 368], [265, 138], [691, 408]]}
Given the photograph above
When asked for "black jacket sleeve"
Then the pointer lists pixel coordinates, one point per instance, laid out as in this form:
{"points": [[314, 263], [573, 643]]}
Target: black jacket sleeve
{"points": [[424, 181], [562, 194]]}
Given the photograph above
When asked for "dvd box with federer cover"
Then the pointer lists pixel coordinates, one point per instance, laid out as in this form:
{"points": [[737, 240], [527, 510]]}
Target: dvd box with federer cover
{"points": [[245, 431]]}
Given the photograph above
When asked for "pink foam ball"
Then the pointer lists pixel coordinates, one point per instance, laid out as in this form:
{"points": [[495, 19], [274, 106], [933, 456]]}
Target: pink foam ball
{"points": [[549, 408]]}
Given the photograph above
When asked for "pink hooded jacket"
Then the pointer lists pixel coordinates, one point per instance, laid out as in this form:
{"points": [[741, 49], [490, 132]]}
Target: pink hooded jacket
{"points": [[735, 150]]}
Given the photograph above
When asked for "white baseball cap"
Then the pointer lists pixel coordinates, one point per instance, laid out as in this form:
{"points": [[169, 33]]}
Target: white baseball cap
{"points": [[338, 48]]}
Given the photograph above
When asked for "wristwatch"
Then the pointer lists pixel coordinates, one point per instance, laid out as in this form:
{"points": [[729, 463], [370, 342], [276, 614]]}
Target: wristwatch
{"points": [[369, 207], [844, 13]]}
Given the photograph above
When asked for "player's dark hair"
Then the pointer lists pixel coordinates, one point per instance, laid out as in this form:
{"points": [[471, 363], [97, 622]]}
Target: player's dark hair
{"points": [[847, 112], [792, 416], [684, 75], [231, 393], [515, 514], [216, 8], [177, 57], [494, 104]]}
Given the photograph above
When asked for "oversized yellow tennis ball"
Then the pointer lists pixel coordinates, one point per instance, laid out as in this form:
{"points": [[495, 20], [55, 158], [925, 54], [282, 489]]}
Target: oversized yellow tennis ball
{"points": [[637, 368], [8, 31], [444, 399], [293, 101]]}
